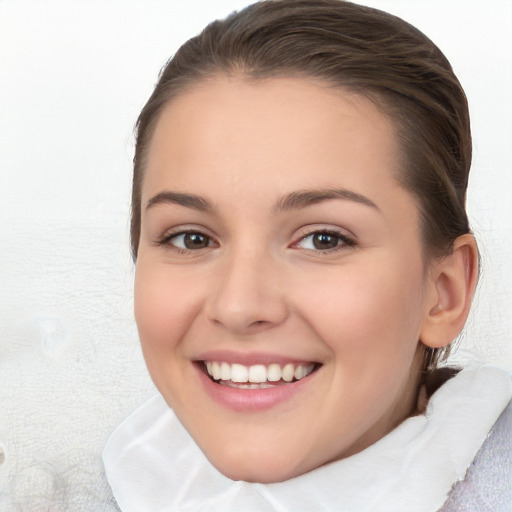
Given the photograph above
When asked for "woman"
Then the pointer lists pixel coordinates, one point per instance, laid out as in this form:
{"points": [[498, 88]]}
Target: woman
{"points": [[304, 260]]}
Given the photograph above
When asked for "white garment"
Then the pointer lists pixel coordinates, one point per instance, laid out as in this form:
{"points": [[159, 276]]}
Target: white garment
{"points": [[153, 465]]}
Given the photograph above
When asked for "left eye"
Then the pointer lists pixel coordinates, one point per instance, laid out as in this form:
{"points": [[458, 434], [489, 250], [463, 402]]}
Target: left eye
{"points": [[323, 241]]}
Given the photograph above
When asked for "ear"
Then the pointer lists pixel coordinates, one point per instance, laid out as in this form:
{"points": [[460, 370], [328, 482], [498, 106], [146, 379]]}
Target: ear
{"points": [[452, 285]]}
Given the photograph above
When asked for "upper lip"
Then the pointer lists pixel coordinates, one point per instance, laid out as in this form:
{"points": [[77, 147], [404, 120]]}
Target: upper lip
{"points": [[250, 358]]}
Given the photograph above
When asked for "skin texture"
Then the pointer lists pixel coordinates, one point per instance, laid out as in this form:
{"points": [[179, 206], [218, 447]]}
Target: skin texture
{"points": [[260, 288]]}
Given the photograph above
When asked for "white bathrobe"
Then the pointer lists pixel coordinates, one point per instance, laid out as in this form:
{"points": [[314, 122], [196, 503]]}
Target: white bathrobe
{"points": [[153, 465]]}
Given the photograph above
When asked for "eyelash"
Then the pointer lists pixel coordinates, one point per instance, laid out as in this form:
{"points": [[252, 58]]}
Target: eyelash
{"points": [[166, 240], [343, 241]]}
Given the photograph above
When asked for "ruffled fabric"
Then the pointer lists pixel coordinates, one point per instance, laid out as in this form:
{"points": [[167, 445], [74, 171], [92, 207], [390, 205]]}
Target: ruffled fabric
{"points": [[153, 465]]}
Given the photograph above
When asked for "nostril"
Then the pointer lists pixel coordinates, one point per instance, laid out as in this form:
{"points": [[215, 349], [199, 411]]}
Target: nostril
{"points": [[258, 324]]}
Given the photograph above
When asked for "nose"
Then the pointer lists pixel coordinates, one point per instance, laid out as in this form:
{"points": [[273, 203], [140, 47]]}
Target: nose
{"points": [[248, 296]]}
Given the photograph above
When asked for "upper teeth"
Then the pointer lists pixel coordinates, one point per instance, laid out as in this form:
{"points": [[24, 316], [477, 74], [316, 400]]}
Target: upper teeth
{"points": [[258, 373]]}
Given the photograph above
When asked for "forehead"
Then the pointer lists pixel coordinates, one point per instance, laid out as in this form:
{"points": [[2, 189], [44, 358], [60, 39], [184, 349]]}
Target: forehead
{"points": [[235, 126]]}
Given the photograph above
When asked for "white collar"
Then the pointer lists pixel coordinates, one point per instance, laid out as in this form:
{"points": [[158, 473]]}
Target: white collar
{"points": [[153, 465]]}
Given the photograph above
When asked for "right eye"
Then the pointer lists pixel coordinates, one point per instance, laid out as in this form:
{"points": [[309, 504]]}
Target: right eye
{"points": [[187, 241]]}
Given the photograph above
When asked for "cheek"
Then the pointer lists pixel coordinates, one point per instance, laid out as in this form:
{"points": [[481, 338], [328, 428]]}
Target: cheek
{"points": [[165, 304], [372, 314]]}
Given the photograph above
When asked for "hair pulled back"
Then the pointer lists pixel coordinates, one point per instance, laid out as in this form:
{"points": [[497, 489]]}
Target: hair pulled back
{"points": [[364, 50]]}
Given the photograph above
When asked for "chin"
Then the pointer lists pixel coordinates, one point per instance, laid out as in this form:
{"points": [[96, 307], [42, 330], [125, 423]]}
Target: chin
{"points": [[257, 473], [257, 468]]}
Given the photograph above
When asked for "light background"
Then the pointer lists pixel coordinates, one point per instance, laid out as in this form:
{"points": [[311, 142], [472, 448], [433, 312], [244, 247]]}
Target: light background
{"points": [[73, 77]]}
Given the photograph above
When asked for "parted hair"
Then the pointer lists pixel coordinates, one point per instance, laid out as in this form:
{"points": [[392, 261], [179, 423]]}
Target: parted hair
{"points": [[356, 48]]}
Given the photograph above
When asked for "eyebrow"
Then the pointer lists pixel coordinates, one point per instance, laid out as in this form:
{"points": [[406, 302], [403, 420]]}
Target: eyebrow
{"points": [[293, 201], [304, 198], [183, 199]]}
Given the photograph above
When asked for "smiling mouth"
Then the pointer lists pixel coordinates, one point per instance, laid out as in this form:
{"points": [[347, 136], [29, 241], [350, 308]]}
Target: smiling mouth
{"points": [[258, 376]]}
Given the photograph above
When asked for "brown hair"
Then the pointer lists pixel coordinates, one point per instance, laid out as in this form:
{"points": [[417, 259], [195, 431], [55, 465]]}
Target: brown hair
{"points": [[358, 48]]}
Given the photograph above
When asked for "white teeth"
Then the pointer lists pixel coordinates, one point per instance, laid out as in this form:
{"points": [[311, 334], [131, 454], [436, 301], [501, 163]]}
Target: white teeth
{"points": [[288, 372], [216, 371], [231, 384], [225, 371], [258, 373], [239, 373], [300, 372], [273, 372]]}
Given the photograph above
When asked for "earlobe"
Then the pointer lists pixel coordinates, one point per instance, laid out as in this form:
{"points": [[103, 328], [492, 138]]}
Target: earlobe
{"points": [[454, 279]]}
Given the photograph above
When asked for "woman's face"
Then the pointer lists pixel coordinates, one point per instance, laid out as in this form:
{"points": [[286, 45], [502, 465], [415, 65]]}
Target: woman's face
{"points": [[280, 285]]}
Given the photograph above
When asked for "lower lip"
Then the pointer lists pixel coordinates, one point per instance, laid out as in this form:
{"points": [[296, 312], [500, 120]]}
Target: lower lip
{"points": [[252, 400]]}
